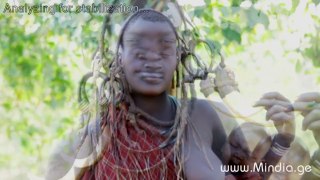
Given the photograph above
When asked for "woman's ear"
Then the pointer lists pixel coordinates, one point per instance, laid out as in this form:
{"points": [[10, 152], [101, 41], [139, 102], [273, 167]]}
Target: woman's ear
{"points": [[178, 53], [120, 58], [120, 55], [178, 56]]}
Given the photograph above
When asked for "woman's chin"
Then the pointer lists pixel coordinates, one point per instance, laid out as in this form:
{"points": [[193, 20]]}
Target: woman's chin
{"points": [[150, 92]]}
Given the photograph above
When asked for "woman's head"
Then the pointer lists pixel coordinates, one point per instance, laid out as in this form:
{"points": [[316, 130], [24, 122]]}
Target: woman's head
{"points": [[248, 143], [148, 52]]}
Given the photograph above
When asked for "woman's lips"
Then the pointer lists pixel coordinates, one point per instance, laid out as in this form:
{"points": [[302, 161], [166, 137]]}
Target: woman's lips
{"points": [[151, 77], [151, 74]]}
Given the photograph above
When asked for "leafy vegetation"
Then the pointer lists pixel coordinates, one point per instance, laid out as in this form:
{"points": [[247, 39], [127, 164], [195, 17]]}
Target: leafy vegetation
{"points": [[272, 45]]}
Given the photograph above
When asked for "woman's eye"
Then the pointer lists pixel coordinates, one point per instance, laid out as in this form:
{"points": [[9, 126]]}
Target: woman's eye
{"points": [[165, 55], [132, 41], [140, 56], [234, 145], [166, 40]]}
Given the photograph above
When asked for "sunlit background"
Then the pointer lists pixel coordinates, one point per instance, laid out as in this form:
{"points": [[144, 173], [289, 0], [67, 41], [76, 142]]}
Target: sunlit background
{"points": [[272, 45]]}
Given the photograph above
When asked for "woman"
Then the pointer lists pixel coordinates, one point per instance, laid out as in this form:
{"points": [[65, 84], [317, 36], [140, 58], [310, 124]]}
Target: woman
{"points": [[142, 131], [145, 132]]}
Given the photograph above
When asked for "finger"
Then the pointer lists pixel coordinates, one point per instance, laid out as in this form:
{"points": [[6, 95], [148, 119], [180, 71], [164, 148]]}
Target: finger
{"points": [[304, 113], [311, 96], [274, 110], [275, 95], [315, 126], [282, 116], [305, 106], [310, 118], [271, 102]]}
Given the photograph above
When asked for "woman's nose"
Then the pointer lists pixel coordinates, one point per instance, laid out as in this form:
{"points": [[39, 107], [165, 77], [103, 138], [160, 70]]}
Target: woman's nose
{"points": [[153, 55], [153, 60], [153, 65]]}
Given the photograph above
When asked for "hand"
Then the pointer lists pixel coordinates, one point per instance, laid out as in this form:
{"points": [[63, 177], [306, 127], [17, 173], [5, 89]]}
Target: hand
{"points": [[309, 106], [278, 110]]}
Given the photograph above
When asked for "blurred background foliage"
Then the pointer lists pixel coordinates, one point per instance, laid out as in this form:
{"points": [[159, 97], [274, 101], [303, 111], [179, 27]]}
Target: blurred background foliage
{"points": [[271, 44]]}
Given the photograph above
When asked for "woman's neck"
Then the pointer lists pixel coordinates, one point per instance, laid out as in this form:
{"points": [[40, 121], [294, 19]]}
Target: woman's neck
{"points": [[156, 106]]}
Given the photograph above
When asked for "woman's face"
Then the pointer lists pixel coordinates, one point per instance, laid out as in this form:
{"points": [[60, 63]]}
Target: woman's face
{"points": [[239, 150], [149, 56], [244, 146]]}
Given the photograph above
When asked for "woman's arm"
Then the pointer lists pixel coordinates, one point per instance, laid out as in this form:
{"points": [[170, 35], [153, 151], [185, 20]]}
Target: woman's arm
{"points": [[278, 110]]}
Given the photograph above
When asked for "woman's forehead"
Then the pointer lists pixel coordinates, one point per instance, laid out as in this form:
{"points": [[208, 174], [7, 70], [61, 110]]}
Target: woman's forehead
{"points": [[142, 28]]}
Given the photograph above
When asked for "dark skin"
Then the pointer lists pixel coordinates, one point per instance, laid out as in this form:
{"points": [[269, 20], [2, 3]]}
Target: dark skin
{"points": [[149, 59], [238, 147], [247, 145], [204, 140], [158, 107]]}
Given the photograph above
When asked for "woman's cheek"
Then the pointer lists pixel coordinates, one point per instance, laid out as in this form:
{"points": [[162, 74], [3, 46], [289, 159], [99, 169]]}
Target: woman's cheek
{"points": [[226, 152]]}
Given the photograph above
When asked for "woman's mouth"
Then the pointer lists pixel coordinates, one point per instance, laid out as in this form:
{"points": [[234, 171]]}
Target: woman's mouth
{"points": [[151, 77], [236, 159]]}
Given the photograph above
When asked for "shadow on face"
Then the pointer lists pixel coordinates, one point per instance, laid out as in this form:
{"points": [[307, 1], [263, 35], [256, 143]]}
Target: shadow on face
{"points": [[247, 144], [254, 140]]}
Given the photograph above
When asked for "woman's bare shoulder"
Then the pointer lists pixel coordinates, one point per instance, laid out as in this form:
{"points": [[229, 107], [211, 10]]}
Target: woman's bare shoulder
{"points": [[202, 111]]}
